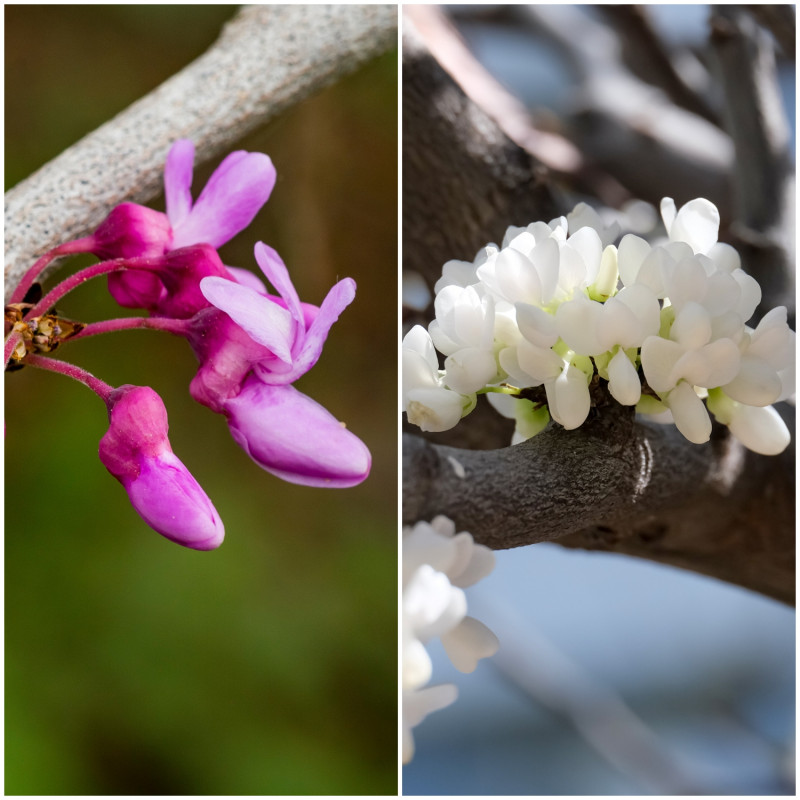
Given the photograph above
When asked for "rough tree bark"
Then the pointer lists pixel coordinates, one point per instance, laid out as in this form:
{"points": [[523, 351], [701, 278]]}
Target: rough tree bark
{"points": [[615, 484], [254, 71]]}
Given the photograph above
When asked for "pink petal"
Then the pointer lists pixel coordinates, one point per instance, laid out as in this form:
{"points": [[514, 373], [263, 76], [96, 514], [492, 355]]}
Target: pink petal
{"points": [[276, 273], [247, 278], [169, 499], [338, 298], [264, 321], [290, 435], [178, 181], [234, 194]]}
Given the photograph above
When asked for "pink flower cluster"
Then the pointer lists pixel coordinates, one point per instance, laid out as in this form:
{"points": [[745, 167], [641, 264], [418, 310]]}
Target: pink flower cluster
{"points": [[251, 344]]}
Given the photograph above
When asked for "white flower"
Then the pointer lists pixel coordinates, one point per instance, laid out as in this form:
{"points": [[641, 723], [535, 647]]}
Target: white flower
{"points": [[688, 412], [426, 401], [584, 216], [464, 331], [766, 374], [760, 429], [462, 273], [417, 705], [696, 223], [689, 354], [627, 319], [438, 564]]}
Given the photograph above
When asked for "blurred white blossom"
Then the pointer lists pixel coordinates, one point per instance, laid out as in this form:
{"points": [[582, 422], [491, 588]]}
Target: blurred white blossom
{"points": [[438, 564]]}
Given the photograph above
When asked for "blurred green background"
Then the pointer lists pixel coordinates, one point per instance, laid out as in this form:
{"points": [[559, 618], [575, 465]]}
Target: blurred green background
{"points": [[269, 666]]}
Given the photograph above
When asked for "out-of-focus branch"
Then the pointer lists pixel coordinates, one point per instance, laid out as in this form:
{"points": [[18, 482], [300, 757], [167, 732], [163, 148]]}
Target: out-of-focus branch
{"points": [[623, 486], [553, 150], [781, 21], [629, 128], [645, 54], [267, 58], [464, 180], [763, 173]]}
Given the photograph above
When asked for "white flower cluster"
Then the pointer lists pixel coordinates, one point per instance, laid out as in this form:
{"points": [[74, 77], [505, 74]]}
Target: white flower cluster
{"points": [[438, 564], [558, 303]]}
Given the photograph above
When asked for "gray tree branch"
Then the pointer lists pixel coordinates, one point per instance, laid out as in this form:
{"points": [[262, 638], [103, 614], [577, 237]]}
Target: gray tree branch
{"points": [[267, 58], [624, 486], [762, 171]]}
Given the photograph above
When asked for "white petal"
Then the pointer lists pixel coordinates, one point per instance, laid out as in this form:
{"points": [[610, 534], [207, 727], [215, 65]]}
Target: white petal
{"points": [[572, 272], [579, 322], [503, 404], [469, 370], [419, 340], [756, 384], [689, 412], [434, 409], [546, 260], [760, 429], [725, 257], [686, 282], [481, 563], [623, 380], [655, 270], [697, 224], [417, 667], [631, 253], [539, 363], [586, 242], [536, 325], [509, 361], [773, 339], [751, 294], [692, 326], [723, 294], [466, 644], [568, 398], [645, 307], [659, 357], [721, 363], [418, 704], [417, 372], [516, 278], [668, 212]]}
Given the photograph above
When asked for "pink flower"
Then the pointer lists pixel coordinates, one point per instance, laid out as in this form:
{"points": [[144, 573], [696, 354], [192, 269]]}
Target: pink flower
{"points": [[293, 343], [251, 347], [136, 451], [234, 194]]}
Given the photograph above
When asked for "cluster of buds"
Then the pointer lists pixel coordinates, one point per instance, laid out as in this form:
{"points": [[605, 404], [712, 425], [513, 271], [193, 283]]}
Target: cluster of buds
{"points": [[438, 564], [251, 345], [539, 321]]}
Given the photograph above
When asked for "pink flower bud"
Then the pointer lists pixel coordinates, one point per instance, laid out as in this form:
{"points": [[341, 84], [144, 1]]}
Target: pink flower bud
{"points": [[136, 451], [130, 231]]}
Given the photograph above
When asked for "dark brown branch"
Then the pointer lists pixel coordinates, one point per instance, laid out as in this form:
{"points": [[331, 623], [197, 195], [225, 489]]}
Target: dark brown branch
{"points": [[464, 181], [624, 486]]}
